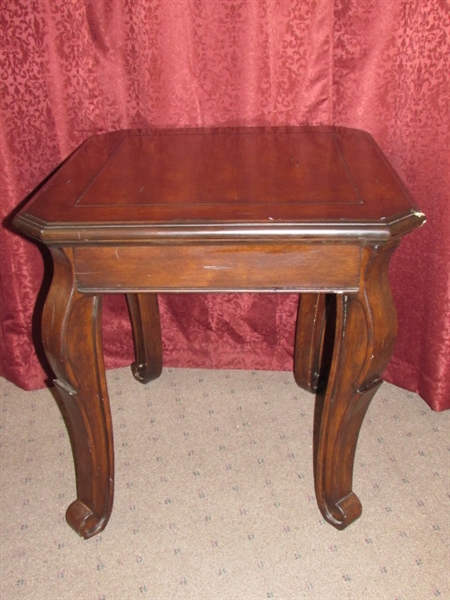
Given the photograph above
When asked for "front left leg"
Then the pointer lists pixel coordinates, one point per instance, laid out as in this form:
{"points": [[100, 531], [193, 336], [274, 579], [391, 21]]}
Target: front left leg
{"points": [[365, 334], [71, 327]]}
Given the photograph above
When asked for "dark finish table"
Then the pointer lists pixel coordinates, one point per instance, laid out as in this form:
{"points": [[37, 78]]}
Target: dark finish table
{"points": [[315, 210]]}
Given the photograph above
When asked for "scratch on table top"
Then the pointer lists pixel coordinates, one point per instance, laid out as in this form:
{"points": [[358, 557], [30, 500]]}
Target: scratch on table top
{"points": [[218, 267]]}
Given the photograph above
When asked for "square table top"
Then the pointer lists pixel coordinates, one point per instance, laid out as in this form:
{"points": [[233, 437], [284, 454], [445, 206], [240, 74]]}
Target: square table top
{"points": [[135, 186]]}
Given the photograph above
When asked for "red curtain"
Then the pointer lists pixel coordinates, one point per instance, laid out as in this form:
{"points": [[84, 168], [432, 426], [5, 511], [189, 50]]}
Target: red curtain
{"points": [[71, 68]]}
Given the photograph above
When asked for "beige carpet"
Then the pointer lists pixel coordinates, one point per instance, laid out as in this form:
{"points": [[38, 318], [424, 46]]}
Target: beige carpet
{"points": [[215, 499]]}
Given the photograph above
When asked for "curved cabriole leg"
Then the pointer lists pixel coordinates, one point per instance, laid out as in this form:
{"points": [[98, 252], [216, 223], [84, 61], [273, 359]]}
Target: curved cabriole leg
{"points": [[71, 328], [309, 338], [365, 334], [145, 323]]}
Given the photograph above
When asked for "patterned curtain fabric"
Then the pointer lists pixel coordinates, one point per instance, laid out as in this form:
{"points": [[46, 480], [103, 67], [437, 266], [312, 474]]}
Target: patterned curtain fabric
{"points": [[72, 68]]}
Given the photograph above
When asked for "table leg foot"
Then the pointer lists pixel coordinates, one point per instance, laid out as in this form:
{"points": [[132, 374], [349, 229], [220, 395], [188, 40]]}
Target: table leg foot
{"points": [[72, 339], [82, 520], [365, 333], [145, 322], [338, 430]]}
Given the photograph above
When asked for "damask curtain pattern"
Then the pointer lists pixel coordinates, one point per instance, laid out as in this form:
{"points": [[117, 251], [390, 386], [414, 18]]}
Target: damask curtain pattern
{"points": [[391, 75], [71, 68]]}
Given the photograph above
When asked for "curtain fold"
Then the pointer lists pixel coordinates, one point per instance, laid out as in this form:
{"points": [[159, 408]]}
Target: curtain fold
{"points": [[71, 68], [391, 76]]}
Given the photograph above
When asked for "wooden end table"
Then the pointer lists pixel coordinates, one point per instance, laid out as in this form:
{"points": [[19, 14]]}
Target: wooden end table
{"points": [[315, 210]]}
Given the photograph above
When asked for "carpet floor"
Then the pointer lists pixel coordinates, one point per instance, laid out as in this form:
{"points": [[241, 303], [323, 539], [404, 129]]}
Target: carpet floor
{"points": [[215, 498]]}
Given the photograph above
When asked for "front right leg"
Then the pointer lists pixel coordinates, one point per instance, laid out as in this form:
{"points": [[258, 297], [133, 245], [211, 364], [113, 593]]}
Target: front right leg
{"points": [[366, 326], [71, 327]]}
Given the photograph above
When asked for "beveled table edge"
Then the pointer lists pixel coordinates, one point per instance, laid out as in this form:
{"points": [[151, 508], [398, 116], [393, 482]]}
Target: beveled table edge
{"points": [[61, 233]]}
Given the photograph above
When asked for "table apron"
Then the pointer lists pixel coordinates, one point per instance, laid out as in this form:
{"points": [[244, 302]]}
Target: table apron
{"points": [[219, 267]]}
